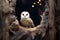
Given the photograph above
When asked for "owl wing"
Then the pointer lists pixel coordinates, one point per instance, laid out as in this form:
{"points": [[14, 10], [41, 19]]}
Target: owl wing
{"points": [[31, 22]]}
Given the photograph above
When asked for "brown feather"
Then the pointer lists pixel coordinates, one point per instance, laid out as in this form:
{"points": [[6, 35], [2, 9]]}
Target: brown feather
{"points": [[27, 23]]}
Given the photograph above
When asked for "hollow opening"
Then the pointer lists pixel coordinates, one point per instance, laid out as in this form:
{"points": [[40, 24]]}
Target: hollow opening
{"points": [[34, 7]]}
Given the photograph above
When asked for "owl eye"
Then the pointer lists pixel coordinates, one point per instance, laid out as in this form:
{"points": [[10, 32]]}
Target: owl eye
{"points": [[26, 14], [23, 14]]}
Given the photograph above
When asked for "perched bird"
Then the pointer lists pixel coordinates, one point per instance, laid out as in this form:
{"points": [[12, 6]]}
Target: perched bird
{"points": [[26, 21]]}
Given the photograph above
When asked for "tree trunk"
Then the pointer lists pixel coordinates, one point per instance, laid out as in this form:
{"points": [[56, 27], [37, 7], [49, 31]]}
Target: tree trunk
{"points": [[6, 8], [5, 29], [52, 31]]}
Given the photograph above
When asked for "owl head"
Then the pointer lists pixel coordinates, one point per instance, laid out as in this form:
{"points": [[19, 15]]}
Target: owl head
{"points": [[25, 14]]}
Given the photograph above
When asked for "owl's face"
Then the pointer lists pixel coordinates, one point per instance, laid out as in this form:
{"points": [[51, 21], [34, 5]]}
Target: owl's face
{"points": [[25, 14]]}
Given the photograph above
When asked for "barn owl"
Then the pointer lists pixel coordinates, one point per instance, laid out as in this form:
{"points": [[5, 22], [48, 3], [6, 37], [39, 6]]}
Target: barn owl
{"points": [[26, 21]]}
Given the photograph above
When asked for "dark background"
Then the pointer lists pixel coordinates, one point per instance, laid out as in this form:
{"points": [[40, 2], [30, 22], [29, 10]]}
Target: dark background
{"points": [[27, 6]]}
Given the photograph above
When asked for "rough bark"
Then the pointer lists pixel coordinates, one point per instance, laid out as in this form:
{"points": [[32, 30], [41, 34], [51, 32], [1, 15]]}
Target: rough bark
{"points": [[52, 30], [6, 8]]}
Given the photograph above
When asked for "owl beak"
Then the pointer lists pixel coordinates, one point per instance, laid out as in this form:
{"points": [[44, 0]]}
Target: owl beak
{"points": [[24, 16]]}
